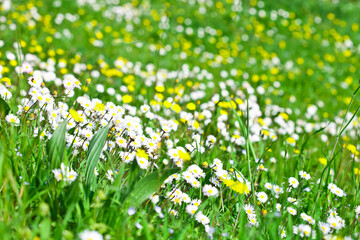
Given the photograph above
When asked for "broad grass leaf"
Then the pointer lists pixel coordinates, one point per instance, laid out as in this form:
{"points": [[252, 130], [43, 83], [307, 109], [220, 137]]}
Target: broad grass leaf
{"points": [[72, 195], [45, 228], [55, 148], [148, 185], [4, 108], [94, 151]]}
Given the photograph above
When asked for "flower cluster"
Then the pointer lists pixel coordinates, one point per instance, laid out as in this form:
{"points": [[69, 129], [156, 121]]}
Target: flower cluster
{"points": [[65, 173], [237, 114]]}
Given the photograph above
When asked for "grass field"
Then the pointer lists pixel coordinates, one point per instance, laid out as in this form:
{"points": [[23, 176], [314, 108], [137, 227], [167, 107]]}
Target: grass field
{"points": [[188, 119]]}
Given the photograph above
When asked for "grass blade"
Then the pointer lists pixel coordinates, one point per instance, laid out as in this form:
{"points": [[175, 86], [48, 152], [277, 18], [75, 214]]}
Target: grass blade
{"points": [[95, 149], [4, 108], [148, 185], [55, 148]]}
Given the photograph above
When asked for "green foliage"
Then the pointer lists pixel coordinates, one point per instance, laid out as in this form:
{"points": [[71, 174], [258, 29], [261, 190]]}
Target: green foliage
{"points": [[55, 148], [144, 188], [94, 151], [4, 108]]}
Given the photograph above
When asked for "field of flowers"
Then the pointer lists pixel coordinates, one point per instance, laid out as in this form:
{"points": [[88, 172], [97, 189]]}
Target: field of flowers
{"points": [[187, 119]]}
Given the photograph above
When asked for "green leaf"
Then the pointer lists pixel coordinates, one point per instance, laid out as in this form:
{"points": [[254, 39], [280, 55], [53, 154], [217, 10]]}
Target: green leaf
{"points": [[148, 185], [45, 228], [72, 193], [55, 148], [181, 234], [95, 149], [4, 108]]}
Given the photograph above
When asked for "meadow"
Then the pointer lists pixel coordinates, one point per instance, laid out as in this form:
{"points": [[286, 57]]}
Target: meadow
{"points": [[188, 119]]}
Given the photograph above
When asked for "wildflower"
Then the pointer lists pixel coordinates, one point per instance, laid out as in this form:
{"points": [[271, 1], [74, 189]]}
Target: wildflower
{"points": [[188, 176], [191, 209], [292, 200], [282, 231], [131, 211], [277, 190], [210, 140], [35, 81], [70, 82], [236, 186], [333, 213], [4, 93], [26, 67], [201, 218], [173, 212], [177, 199], [307, 218], [304, 175], [183, 155], [121, 142], [291, 141], [99, 107], [268, 186], [128, 157], [278, 207], [293, 182], [262, 197], [90, 235], [357, 211], [142, 162], [75, 115], [210, 191], [323, 161], [65, 173], [337, 191], [324, 227], [252, 220], [127, 98], [185, 198], [217, 164], [296, 230], [158, 210], [71, 176], [210, 231], [144, 108], [154, 198], [351, 148], [214, 180], [222, 174], [305, 230], [87, 133], [196, 171], [110, 175], [292, 211], [336, 223], [249, 209], [58, 174], [11, 118], [332, 187]]}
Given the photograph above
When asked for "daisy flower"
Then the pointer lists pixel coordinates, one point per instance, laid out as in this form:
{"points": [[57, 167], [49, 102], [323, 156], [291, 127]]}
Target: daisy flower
{"points": [[90, 235], [210, 191]]}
